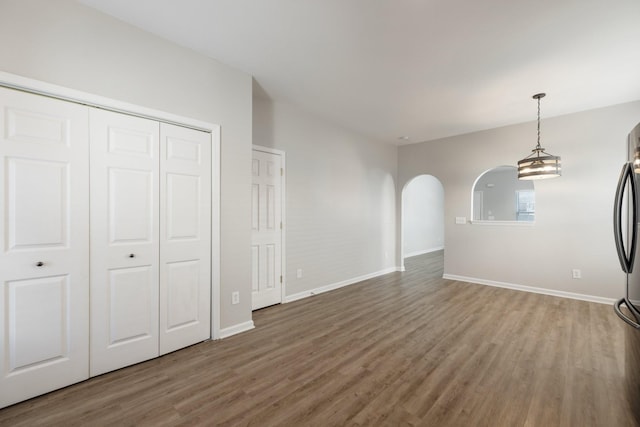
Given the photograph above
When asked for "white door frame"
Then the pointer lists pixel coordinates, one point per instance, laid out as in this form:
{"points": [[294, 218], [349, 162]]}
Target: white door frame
{"points": [[25, 84], [283, 204]]}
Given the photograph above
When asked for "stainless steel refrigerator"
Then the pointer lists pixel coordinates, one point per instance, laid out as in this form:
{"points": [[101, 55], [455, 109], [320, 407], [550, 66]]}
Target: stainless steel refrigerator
{"points": [[626, 214]]}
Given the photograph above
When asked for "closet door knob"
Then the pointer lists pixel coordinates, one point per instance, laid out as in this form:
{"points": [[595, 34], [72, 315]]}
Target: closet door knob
{"points": [[39, 264], [132, 256]]}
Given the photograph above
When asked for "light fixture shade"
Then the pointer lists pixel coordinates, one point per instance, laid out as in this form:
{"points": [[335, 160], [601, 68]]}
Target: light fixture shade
{"points": [[538, 166]]}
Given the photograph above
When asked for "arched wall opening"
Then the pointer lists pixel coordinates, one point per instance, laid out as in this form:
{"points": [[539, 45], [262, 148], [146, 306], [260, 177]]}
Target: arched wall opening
{"points": [[422, 220]]}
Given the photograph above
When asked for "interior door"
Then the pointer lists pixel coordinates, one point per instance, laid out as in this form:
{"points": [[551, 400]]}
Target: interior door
{"points": [[185, 237], [124, 240], [266, 225], [44, 223]]}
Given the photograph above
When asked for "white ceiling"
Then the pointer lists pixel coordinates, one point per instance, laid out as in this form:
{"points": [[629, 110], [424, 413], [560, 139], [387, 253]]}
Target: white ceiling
{"points": [[421, 68]]}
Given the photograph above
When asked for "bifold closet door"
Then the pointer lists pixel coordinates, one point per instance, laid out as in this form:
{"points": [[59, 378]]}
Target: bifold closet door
{"points": [[150, 239], [124, 240], [185, 237], [44, 263]]}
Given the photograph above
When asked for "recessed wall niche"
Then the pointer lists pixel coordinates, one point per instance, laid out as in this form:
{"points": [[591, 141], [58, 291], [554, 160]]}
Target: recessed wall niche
{"points": [[499, 196]]}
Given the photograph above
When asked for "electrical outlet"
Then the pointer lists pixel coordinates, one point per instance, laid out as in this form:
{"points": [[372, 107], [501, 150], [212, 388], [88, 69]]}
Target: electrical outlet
{"points": [[576, 274], [235, 297], [299, 273]]}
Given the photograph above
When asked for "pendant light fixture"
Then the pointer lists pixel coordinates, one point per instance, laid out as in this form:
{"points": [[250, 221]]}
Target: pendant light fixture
{"points": [[539, 164]]}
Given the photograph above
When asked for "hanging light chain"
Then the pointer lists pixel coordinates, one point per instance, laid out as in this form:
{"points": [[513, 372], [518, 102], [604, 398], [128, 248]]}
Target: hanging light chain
{"points": [[538, 146]]}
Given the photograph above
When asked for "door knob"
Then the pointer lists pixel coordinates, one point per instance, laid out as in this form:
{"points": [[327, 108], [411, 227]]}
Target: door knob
{"points": [[132, 256], [39, 264]]}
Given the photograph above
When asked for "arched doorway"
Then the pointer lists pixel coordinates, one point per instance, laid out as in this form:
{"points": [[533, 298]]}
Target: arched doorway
{"points": [[422, 222]]}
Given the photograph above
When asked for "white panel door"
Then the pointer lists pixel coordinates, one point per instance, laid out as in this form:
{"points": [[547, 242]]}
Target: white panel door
{"points": [[185, 237], [44, 232], [124, 240], [266, 236]]}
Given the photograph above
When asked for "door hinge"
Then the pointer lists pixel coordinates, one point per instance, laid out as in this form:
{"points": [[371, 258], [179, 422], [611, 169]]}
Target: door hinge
{"points": [[281, 171], [280, 225], [280, 279]]}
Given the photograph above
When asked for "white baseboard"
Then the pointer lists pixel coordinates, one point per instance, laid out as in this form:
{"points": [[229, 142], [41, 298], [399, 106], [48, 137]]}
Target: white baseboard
{"points": [[571, 295], [327, 288], [424, 251], [236, 329]]}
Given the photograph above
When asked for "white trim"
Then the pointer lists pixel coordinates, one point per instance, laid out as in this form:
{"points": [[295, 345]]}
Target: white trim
{"points": [[283, 213], [60, 92], [333, 286], [236, 329], [424, 251], [215, 233], [562, 294], [502, 223], [14, 81], [268, 150]]}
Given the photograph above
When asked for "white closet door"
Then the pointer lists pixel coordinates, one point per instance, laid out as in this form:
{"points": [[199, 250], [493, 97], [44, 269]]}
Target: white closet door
{"points": [[44, 262], [266, 231], [124, 240], [185, 237]]}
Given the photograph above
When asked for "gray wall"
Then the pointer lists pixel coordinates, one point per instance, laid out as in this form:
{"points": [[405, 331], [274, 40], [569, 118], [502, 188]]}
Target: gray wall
{"points": [[340, 197], [343, 196], [65, 43], [573, 227]]}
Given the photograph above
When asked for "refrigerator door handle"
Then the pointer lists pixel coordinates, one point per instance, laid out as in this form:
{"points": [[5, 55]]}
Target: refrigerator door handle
{"points": [[626, 177], [621, 315]]}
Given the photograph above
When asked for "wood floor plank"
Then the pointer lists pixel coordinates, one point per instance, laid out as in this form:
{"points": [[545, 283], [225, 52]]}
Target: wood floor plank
{"points": [[406, 348]]}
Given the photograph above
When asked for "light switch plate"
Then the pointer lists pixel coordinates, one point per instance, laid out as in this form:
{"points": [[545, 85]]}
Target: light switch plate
{"points": [[461, 220]]}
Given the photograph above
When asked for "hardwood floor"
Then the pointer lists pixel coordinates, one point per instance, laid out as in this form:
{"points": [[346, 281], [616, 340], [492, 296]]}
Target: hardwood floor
{"points": [[402, 349]]}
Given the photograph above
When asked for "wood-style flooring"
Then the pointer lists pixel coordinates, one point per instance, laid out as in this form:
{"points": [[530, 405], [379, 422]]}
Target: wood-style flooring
{"points": [[406, 348]]}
